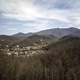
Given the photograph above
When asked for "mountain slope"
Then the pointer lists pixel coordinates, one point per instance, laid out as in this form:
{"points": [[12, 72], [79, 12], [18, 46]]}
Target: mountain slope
{"points": [[60, 32], [22, 35], [35, 40], [63, 59], [7, 40], [66, 42]]}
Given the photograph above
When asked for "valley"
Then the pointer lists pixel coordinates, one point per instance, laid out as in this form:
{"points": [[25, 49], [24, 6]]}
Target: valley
{"points": [[41, 56]]}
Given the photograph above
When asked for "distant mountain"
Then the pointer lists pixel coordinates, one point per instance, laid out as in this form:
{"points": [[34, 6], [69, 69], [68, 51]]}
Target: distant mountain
{"points": [[22, 35], [60, 32], [48, 36]]}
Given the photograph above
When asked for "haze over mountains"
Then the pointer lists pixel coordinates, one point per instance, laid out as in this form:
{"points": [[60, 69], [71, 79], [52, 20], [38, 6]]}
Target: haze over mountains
{"points": [[57, 32]]}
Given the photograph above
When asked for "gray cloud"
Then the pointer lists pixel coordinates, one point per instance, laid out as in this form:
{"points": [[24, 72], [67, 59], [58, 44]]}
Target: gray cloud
{"points": [[36, 15], [59, 4]]}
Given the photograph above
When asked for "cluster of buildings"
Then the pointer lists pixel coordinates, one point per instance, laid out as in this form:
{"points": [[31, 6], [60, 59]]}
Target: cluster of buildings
{"points": [[29, 50]]}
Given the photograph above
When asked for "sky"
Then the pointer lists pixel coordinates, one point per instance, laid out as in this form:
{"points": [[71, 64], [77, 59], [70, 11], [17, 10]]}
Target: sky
{"points": [[36, 15]]}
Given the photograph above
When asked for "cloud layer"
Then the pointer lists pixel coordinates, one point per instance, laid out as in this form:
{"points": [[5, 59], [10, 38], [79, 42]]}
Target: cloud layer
{"points": [[35, 15]]}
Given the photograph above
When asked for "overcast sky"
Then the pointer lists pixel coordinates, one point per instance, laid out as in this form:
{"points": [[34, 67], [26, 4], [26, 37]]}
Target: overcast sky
{"points": [[35, 15]]}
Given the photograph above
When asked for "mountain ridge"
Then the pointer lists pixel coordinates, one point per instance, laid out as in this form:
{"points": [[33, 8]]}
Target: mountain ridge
{"points": [[57, 32]]}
